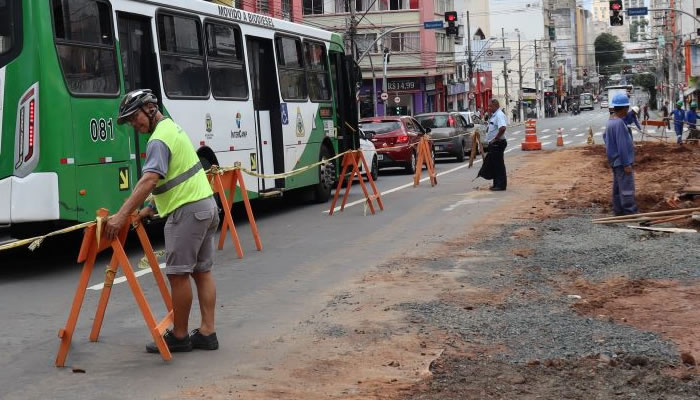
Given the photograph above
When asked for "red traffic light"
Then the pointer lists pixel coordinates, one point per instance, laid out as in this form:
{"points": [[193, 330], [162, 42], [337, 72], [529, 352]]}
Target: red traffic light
{"points": [[451, 16], [616, 7]]}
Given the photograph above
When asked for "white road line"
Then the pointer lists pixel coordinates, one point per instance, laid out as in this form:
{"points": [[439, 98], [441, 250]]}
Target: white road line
{"points": [[584, 142], [565, 135], [122, 279], [546, 143], [516, 132], [580, 134], [544, 130], [573, 129], [396, 189], [568, 142], [545, 137], [599, 134], [509, 150]]}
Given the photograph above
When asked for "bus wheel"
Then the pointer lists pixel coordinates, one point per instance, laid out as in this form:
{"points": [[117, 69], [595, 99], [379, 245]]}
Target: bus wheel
{"points": [[206, 164], [326, 177]]}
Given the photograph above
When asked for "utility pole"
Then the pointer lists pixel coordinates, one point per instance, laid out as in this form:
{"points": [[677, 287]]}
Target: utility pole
{"points": [[537, 87], [384, 85], [374, 88], [505, 70], [469, 62], [520, 83]]}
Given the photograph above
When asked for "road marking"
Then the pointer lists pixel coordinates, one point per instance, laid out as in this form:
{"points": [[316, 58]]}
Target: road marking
{"points": [[598, 133], [545, 130], [516, 132], [568, 142], [122, 279], [603, 127], [573, 129], [584, 142], [545, 137], [509, 150], [464, 202], [580, 134], [396, 189], [565, 135], [546, 143]]}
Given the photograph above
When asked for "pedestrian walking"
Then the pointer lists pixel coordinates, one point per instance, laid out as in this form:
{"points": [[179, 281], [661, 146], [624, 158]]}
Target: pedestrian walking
{"points": [[664, 114], [173, 174], [645, 109], [515, 115], [619, 148], [678, 120], [494, 166], [691, 118]]}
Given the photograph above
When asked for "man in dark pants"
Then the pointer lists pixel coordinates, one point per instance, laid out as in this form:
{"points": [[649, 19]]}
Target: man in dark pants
{"points": [[494, 166], [619, 147]]}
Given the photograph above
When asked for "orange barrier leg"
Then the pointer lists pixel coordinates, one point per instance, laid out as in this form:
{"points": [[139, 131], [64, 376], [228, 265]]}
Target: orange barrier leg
{"points": [[88, 253], [350, 161], [218, 187], [425, 158], [238, 177]]}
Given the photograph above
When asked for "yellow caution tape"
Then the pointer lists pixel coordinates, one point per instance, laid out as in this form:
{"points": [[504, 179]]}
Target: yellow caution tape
{"points": [[36, 241]]}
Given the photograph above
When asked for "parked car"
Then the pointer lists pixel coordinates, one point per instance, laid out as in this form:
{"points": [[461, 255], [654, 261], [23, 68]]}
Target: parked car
{"points": [[450, 133], [370, 153], [396, 139], [603, 104], [475, 123]]}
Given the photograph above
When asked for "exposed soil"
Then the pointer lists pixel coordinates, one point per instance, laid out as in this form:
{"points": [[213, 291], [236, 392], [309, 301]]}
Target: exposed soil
{"points": [[544, 305]]}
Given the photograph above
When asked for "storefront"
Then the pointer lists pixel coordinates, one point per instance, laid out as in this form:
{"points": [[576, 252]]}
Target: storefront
{"points": [[457, 97], [408, 91]]}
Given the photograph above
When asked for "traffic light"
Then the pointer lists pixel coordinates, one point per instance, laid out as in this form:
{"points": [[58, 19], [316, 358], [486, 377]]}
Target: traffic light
{"points": [[451, 19], [585, 72], [616, 18]]}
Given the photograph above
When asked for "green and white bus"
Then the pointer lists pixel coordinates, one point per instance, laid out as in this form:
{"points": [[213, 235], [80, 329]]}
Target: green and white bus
{"points": [[268, 94]]}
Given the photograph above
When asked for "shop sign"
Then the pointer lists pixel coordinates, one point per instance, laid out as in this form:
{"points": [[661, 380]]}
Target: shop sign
{"points": [[403, 84]]}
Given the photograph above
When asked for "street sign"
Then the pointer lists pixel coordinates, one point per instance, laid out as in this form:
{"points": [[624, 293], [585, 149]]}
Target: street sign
{"points": [[433, 24], [384, 96], [497, 54], [397, 99], [636, 11]]}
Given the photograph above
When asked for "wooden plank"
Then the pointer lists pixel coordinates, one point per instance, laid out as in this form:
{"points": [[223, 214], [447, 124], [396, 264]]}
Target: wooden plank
{"points": [[667, 230]]}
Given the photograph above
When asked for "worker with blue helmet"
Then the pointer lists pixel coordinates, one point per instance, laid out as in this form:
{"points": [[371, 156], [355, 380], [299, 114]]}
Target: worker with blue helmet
{"points": [[619, 148], [678, 121]]}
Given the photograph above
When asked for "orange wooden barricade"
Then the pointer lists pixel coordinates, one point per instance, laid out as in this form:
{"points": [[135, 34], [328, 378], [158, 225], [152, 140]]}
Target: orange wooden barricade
{"points": [[658, 124], [88, 252], [232, 180], [425, 157], [350, 160]]}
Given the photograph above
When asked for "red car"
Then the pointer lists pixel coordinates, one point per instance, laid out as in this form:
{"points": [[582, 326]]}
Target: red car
{"points": [[396, 134]]}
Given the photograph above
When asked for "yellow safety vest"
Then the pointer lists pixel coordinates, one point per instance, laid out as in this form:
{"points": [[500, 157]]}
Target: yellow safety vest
{"points": [[186, 181]]}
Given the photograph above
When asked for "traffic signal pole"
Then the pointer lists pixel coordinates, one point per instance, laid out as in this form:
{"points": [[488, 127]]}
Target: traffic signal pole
{"points": [[469, 64]]}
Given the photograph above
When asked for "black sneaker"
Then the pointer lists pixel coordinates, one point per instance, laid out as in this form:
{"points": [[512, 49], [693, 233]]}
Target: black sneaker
{"points": [[174, 344], [202, 342]]}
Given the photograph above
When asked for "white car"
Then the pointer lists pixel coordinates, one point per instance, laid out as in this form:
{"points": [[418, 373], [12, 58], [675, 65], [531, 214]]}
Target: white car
{"points": [[370, 153], [603, 104]]}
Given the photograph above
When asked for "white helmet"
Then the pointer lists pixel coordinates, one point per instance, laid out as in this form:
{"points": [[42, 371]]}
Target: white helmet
{"points": [[635, 109]]}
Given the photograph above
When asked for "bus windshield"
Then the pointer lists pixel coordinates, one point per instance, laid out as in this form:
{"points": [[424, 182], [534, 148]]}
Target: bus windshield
{"points": [[9, 25]]}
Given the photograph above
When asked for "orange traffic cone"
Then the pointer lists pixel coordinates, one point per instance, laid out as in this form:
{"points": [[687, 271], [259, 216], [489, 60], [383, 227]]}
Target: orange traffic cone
{"points": [[560, 138], [531, 142]]}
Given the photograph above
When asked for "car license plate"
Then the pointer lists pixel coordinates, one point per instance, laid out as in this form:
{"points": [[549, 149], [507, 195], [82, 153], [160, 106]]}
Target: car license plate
{"points": [[438, 148], [380, 157]]}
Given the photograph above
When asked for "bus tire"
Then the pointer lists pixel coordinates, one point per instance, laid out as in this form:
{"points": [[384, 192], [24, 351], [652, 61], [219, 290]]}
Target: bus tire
{"points": [[326, 177]]}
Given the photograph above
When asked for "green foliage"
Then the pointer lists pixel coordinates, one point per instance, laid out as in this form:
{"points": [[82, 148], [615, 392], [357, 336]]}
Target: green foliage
{"points": [[608, 52]]}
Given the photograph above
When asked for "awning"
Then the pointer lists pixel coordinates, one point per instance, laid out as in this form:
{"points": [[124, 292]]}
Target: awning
{"points": [[689, 91]]}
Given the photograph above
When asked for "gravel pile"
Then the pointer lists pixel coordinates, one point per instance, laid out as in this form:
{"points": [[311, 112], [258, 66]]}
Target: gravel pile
{"points": [[540, 331]]}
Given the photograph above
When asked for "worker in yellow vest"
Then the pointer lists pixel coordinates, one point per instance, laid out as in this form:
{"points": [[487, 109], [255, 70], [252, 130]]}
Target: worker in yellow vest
{"points": [[173, 174]]}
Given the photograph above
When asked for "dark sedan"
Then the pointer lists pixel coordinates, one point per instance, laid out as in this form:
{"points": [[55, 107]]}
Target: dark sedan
{"points": [[450, 133]]}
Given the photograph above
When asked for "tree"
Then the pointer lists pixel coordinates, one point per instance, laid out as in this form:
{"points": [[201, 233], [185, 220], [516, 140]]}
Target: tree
{"points": [[608, 52]]}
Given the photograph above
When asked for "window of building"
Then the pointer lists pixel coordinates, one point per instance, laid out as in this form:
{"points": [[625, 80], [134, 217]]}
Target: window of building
{"points": [[262, 6], [365, 5], [385, 5], [403, 41], [286, 6], [225, 62], [312, 7], [317, 72], [290, 64], [444, 5], [85, 46], [444, 43], [365, 40], [182, 56]]}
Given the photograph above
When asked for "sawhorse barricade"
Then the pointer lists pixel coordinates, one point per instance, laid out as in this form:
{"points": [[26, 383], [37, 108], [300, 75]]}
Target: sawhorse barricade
{"points": [[231, 180], [352, 160], [476, 147], [658, 124], [425, 157], [91, 246]]}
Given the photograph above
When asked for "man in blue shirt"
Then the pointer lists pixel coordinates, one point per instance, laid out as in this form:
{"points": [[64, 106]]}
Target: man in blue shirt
{"points": [[691, 118], [678, 118], [619, 148], [632, 117]]}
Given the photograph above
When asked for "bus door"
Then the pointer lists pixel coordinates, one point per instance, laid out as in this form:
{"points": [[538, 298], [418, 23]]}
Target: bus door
{"points": [[139, 66], [343, 74], [268, 117]]}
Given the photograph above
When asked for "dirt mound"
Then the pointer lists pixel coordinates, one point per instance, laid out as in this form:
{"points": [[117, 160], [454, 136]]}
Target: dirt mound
{"points": [[661, 171]]}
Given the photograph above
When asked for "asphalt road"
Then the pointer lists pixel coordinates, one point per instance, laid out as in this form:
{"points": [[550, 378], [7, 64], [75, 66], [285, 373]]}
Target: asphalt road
{"points": [[307, 256]]}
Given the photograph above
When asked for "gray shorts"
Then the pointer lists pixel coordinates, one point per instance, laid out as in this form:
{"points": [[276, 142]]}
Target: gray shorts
{"points": [[189, 237]]}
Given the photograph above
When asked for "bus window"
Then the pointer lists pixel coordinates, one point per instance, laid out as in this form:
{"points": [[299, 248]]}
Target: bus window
{"points": [[10, 28], [225, 61], [182, 57], [290, 65], [317, 72], [85, 46]]}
